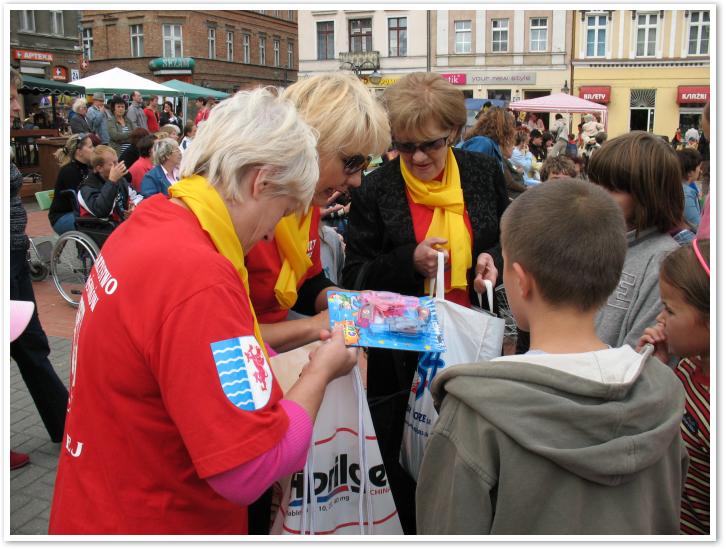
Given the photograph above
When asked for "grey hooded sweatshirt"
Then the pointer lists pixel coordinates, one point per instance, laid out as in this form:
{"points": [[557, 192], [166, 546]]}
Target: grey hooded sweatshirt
{"points": [[555, 444]]}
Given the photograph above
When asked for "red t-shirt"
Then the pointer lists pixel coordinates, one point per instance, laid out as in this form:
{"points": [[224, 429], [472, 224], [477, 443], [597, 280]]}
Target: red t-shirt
{"points": [[151, 120], [264, 264], [141, 166], [422, 217], [166, 388]]}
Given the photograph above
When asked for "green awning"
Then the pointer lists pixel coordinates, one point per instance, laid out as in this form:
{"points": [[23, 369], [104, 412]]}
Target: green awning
{"points": [[194, 91], [35, 85]]}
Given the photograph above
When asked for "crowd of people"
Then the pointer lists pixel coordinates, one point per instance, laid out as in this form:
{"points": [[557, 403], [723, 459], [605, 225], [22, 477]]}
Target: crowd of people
{"points": [[223, 249]]}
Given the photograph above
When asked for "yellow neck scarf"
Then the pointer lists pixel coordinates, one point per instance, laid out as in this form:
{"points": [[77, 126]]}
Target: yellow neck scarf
{"points": [[209, 208], [292, 234], [447, 199]]}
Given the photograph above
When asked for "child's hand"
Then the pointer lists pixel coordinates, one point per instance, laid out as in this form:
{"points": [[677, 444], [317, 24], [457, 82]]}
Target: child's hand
{"points": [[656, 336]]}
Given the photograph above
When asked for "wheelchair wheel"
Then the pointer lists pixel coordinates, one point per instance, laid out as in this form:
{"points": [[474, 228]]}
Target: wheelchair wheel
{"points": [[38, 270], [70, 264]]}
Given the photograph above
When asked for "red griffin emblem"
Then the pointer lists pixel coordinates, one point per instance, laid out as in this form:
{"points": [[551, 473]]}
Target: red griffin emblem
{"points": [[254, 355]]}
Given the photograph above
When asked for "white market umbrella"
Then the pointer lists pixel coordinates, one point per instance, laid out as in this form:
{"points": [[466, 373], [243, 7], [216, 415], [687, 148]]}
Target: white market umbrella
{"points": [[560, 103], [118, 81]]}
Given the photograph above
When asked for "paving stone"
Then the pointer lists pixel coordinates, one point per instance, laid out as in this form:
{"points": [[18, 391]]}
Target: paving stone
{"points": [[18, 500], [44, 459], [26, 514], [20, 478]]}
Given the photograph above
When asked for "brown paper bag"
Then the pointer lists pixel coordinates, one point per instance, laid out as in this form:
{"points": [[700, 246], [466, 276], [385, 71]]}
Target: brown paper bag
{"points": [[288, 365]]}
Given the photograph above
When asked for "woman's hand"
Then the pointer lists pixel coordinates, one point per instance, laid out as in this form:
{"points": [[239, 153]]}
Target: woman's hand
{"points": [[332, 359], [425, 256], [656, 336], [484, 269]]}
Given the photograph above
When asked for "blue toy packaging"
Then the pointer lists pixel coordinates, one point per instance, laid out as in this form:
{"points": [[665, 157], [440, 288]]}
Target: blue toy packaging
{"points": [[380, 319]]}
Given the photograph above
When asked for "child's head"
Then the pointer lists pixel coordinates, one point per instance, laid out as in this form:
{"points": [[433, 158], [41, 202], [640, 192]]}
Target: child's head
{"points": [[684, 289], [559, 166], [643, 175], [690, 160], [569, 236]]}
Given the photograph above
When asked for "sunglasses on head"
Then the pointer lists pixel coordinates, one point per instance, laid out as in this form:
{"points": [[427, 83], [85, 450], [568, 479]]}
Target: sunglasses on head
{"points": [[356, 163], [425, 147]]}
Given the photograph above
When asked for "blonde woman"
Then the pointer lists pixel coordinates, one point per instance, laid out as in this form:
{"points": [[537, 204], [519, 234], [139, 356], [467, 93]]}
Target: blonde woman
{"points": [[167, 341], [286, 272], [75, 159]]}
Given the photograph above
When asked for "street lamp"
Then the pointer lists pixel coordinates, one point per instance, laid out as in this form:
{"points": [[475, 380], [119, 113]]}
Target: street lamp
{"points": [[565, 89], [360, 63]]}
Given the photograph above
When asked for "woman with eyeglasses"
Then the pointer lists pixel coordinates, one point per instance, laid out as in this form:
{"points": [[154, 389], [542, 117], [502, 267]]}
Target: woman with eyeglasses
{"points": [[286, 273], [431, 197], [75, 160]]}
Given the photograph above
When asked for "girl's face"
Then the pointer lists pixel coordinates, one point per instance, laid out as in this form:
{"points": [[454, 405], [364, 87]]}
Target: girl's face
{"points": [[686, 329]]}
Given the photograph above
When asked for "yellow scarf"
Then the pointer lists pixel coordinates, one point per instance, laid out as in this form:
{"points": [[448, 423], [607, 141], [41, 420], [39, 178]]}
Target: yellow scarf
{"points": [[292, 234], [209, 208], [447, 199]]}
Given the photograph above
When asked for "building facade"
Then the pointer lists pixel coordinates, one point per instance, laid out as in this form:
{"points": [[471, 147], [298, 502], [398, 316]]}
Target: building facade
{"points": [[226, 50], [44, 43], [651, 67]]}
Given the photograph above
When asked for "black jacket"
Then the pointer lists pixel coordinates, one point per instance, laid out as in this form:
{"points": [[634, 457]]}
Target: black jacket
{"points": [[104, 199], [70, 177], [381, 237]]}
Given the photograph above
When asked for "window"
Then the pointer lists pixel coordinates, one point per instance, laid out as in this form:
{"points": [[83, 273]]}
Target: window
{"points": [[27, 20], [397, 36], [245, 48], [462, 30], [360, 32], [538, 34], [698, 32], [596, 29], [173, 46], [56, 23], [211, 43], [290, 54], [262, 50], [642, 110], [500, 35], [87, 41], [647, 29], [276, 52], [325, 40], [137, 40], [230, 45]]}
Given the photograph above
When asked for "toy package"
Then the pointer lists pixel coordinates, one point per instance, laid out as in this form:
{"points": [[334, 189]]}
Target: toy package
{"points": [[380, 319]]}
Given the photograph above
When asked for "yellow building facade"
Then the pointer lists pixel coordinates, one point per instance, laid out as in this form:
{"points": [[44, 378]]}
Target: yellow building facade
{"points": [[651, 67]]}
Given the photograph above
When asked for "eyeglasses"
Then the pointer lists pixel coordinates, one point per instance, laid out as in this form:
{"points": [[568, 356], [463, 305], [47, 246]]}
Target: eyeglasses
{"points": [[425, 147], [356, 163]]}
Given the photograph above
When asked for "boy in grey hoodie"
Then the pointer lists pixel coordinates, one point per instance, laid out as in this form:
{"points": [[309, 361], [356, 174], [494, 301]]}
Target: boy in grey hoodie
{"points": [[573, 437]]}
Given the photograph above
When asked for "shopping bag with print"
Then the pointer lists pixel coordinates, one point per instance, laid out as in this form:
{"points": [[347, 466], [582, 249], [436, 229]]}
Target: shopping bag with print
{"points": [[470, 335], [343, 489]]}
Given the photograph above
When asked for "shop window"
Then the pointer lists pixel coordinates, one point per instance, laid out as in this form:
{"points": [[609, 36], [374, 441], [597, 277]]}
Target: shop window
{"points": [[462, 31], [597, 26], [505, 94], [325, 40], [689, 117], [647, 32], [698, 31], [642, 110], [360, 34]]}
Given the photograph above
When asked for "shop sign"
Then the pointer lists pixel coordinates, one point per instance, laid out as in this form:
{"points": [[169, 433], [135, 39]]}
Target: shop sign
{"points": [[161, 63], [502, 78], [385, 81], [60, 73], [598, 94], [28, 55], [455, 78], [75, 74], [693, 94]]}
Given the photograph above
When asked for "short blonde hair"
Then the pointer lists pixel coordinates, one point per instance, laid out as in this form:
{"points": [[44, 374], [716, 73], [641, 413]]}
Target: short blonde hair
{"points": [[418, 99], [99, 154], [169, 128], [163, 149], [255, 129], [80, 102], [347, 117]]}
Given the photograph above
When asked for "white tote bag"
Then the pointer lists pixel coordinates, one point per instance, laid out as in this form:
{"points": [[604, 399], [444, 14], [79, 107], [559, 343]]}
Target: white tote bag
{"points": [[330, 496], [471, 335]]}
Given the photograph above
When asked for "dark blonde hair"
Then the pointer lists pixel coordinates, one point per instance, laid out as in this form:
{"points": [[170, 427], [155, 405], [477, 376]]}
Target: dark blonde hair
{"points": [[495, 123], [647, 168], [559, 164], [65, 154], [418, 99], [571, 236], [682, 270], [99, 155]]}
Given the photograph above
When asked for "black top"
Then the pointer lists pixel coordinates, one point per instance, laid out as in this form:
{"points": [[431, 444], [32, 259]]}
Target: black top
{"points": [[69, 177], [18, 215], [104, 199]]}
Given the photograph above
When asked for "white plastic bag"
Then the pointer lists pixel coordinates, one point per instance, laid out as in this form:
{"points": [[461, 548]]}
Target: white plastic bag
{"points": [[344, 445], [471, 335]]}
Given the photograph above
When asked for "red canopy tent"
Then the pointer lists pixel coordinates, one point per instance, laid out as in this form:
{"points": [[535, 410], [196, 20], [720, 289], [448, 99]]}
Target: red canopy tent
{"points": [[561, 103]]}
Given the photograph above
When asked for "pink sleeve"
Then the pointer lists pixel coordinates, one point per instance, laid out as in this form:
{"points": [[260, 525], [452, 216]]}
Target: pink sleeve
{"points": [[245, 483], [704, 228]]}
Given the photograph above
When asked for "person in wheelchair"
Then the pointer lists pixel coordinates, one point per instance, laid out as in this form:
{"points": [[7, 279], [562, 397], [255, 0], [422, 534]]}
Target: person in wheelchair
{"points": [[74, 158], [103, 197]]}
